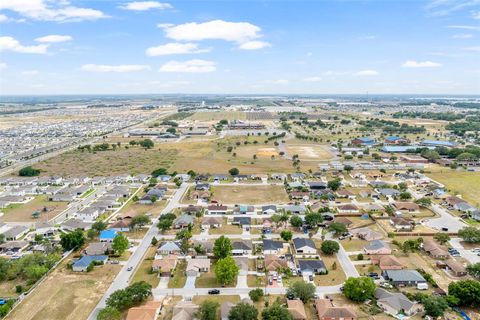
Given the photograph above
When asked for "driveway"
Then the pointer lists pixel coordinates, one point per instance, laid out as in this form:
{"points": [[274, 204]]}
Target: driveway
{"points": [[190, 284], [464, 253], [163, 284], [242, 281]]}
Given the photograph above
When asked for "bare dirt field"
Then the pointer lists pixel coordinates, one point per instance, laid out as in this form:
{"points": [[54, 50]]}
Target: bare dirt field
{"points": [[310, 151], [218, 115], [250, 194], [23, 212], [66, 295]]}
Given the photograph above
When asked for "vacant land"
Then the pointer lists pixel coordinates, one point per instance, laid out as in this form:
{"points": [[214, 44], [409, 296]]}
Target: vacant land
{"points": [[66, 294], [226, 229], [218, 115], [23, 212], [250, 194], [310, 151], [460, 182]]}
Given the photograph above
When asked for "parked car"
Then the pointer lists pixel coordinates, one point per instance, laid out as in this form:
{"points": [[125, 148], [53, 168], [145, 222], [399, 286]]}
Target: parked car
{"points": [[373, 275], [386, 285], [214, 291], [129, 268], [310, 277], [444, 229]]}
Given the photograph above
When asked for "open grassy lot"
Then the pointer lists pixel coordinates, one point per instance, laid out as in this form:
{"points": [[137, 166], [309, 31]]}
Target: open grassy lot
{"points": [[133, 209], [460, 182], [133, 160], [310, 151], [178, 278], [218, 115], [256, 281], [66, 294], [23, 212], [208, 280], [353, 244], [143, 271], [226, 229], [250, 194]]}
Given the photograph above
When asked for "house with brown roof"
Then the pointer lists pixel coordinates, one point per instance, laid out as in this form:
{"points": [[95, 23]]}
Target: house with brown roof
{"points": [[345, 194], [273, 262], [296, 309], [327, 311], [407, 206], [217, 209], [386, 262], [401, 224], [348, 208], [455, 268], [211, 222], [165, 265], [345, 221], [453, 200], [184, 310], [434, 249], [366, 233], [148, 311]]}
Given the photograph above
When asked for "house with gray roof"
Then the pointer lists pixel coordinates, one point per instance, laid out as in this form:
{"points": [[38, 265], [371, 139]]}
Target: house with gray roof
{"points": [[312, 267], [272, 246], [241, 247], [183, 221], [15, 233], [403, 278], [169, 247], [394, 303], [295, 209], [304, 246]]}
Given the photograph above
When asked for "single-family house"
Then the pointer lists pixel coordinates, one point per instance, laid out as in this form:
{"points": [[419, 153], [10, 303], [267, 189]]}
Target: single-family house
{"points": [[185, 310], [312, 267], [295, 209], [13, 247], [395, 303], [348, 208], [165, 265], [122, 225], [244, 209], [434, 249], [269, 209], [74, 224], [273, 247], [367, 234], [84, 262], [244, 222], [183, 221], [217, 209], [403, 278], [377, 247], [169, 248], [107, 235], [148, 311], [296, 309], [273, 262], [197, 265], [455, 267], [98, 248], [241, 247], [327, 311], [386, 262], [304, 246], [401, 224], [211, 222], [15, 232], [343, 193], [407, 206]]}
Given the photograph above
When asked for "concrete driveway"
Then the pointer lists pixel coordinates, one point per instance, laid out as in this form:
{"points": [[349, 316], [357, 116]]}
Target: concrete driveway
{"points": [[163, 284], [190, 284], [242, 281]]}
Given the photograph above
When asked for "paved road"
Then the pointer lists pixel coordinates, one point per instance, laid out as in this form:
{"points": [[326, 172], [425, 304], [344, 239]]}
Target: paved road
{"points": [[347, 264], [123, 277], [446, 220]]}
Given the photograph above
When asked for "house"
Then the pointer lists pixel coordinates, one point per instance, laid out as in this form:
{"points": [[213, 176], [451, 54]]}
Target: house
{"points": [[197, 265], [15, 233], [241, 247], [200, 195], [98, 248], [273, 262], [205, 245], [269, 209], [211, 222], [377, 247], [183, 221], [185, 310], [45, 229], [13, 247], [227, 306], [438, 143], [455, 268], [120, 226], [345, 221], [388, 192], [244, 222], [297, 176], [394, 303], [272, 247], [84, 262], [183, 176], [348, 208], [295, 209], [88, 214], [464, 207], [243, 209], [363, 141], [396, 140], [74, 224], [149, 311], [453, 200], [434, 249], [327, 311], [475, 214], [304, 246], [165, 265], [217, 209], [366, 234], [107, 235], [191, 209], [317, 185], [278, 176], [403, 278], [407, 206], [296, 309], [300, 195], [312, 267], [386, 262], [401, 224], [345, 194], [169, 248]]}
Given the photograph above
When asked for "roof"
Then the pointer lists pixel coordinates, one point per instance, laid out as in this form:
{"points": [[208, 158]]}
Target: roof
{"points": [[406, 206], [198, 263], [243, 220], [455, 265], [439, 143], [97, 248], [273, 262], [296, 309], [386, 262], [397, 301], [405, 275], [108, 234], [86, 260], [397, 148], [166, 263], [217, 208], [311, 264], [272, 244], [169, 246], [242, 245], [184, 219], [146, 312], [211, 220], [325, 308], [376, 245], [303, 242], [15, 231], [367, 234]]}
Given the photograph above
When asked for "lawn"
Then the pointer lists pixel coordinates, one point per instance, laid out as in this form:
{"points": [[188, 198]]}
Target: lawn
{"points": [[178, 278], [66, 294], [250, 194], [226, 229], [143, 271], [353, 244], [460, 182], [23, 212], [256, 281], [208, 280], [334, 276]]}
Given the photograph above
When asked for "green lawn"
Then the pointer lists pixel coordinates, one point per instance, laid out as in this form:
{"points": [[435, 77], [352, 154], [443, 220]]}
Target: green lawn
{"points": [[460, 182], [179, 278], [143, 271]]}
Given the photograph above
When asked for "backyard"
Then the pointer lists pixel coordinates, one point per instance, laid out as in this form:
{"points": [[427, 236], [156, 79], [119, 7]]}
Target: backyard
{"points": [[23, 212]]}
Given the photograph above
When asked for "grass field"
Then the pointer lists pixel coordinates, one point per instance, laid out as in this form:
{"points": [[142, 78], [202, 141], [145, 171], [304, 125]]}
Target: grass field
{"points": [[218, 115], [23, 212], [143, 270], [209, 280], [460, 182], [250, 194], [66, 294], [178, 278]]}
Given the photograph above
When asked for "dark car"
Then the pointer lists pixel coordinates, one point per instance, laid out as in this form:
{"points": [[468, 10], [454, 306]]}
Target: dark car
{"points": [[310, 277], [373, 275], [214, 291]]}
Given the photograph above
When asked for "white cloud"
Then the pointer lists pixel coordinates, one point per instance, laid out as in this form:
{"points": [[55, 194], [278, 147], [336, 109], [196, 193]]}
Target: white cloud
{"points": [[312, 79], [50, 10], [114, 68], [146, 5], [446, 7], [254, 45], [174, 48], [367, 73], [3, 65], [476, 15], [278, 81], [54, 38], [190, 66], [474, 49], [420, 64], [367, 37], [464, 27], [462, 36], [12, 44], [30, 72], [3, 18], [164, 25], [242, 33]]}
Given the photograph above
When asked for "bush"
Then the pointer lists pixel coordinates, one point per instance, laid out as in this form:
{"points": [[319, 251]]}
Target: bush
{"points": [[360, 257], [256, 294]]}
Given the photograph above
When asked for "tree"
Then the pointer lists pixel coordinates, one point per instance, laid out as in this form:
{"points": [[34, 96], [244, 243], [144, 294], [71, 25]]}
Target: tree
{"points": [[466, 291], [330, 247], [120, 244], [28, 172], [334, 185], [359, 289], [131, 296], [147, 144], [301, 290], [139, 221], [226, 270], [222, 247], [474, 270], [470, 234], [234, 171], [313, 219], [338, 228], [286, 235], [207, 310], [72, 240], [171, 130], [435, 306], [164, 224], [276, 312], [2, 238], [159, 172], [256, 294], [442, 237], [405, 195], [99, 226], [243, 311], [296, 221], [424, 202], [109, 313]]}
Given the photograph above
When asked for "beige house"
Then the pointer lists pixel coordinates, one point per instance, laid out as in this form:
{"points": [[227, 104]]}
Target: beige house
{"points": [[197, 265]]}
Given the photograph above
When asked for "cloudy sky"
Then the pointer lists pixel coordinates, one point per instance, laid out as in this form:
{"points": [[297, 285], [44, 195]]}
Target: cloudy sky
{"points": [[242, 46]]}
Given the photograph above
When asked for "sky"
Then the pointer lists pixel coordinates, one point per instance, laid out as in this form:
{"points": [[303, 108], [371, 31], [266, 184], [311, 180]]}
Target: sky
{"points": [[239, 47]]}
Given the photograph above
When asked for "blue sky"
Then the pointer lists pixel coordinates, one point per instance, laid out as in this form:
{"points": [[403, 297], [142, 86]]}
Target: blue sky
{"points": [[82, 47]]}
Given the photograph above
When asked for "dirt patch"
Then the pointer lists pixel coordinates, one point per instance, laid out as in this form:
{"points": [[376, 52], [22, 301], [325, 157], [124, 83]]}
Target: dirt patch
{"points": [[267, 152]]}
